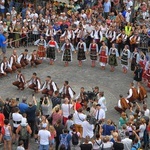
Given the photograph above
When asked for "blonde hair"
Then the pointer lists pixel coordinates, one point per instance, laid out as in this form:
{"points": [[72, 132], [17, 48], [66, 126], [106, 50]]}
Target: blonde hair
{"points": [[56, 108], [51, 129]]}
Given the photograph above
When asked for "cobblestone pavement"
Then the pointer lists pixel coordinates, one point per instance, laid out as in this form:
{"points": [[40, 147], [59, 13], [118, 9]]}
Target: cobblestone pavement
{"points": [[112, 83]]}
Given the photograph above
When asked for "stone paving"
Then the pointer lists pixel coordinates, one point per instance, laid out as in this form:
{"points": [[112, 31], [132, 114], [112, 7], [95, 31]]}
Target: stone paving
{"points": [[112, 83]]}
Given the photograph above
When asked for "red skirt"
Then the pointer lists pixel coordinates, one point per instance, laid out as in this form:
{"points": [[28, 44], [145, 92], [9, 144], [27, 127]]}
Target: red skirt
{"points": [[41, 51], [103, 57]]}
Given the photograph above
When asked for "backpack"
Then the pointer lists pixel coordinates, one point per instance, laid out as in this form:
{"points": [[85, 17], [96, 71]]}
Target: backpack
{"points": [[64, 141], [24, 133], [75, 138]]}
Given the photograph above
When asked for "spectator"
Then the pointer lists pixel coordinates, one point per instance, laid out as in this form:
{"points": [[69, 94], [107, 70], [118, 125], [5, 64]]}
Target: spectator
{"points": [[52, 138], [55, 99], [97, 142], [69, 122], [107, 8], [87, 144], [123, 119], [20, 146], [118, 144], [23, 105], [3, 42]]}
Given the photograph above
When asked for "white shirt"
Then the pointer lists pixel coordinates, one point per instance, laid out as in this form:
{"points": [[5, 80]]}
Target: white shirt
{"points": [[2, 6], [78, 118], [102, 102], [100, 114], [87, 129], [127, 16], [66, 108], [44, 137], [142, 129], [147, 113], [127, 143], [16, 117]]}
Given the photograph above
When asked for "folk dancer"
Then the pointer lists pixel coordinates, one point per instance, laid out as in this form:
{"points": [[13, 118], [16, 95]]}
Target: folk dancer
{"points": [[125, 58], [67, 49], [113, 55], [41, 43], [52, 46], [50, 32], [5, 67], [111, 36], [23, 59], [93, 48], [97, 36], [67, 91], [103, 55], [147, 73], [20, 83], [81, 50], [34, 59], [49, 86], [123, 104], [132, 94], [134, 41], [121, 41], [34, 83], [13, 61], [142, 93], [135, 57]]}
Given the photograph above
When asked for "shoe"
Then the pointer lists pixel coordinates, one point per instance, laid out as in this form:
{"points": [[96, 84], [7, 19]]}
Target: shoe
{"points": [[1, 143]]}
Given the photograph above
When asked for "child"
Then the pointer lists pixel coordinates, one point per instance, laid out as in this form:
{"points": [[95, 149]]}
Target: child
{"points": [[53, 135], [69, 122], [20, 146]]}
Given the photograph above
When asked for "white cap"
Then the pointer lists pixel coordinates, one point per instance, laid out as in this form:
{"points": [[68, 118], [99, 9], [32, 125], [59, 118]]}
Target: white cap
{"points": [[129, 8], [44, 125], [7, 14]]}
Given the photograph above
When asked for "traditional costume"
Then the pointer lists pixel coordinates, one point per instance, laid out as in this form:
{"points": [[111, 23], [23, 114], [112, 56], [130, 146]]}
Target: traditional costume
{"points": [[20, 83], [41, 47], [125, 58], [81, 48], [134, 41], [49, 87], [142, 93], [133, 94], [93, 48], [5, 68], [34, 84], [135, 57], [103, 54], [34, 59], [13, 62], [23, 59], [51, 49]]}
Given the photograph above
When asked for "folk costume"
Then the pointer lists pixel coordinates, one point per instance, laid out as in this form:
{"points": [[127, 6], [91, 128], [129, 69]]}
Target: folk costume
{"points": [[20, 83], [52, 46], [133, 94], [113, 54], [81, 50], [41, 43], [67, 49], [125, 58], [147, 73], [142, 93], [103, 55], [23, 59], [93, 48], [34, 84], [5, 68]]}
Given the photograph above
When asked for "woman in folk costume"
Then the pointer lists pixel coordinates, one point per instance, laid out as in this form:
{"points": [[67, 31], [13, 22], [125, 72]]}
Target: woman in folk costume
{"points": [[41, 43], [81, 48], [135, 57], [103, 55], [113, 54], [125, 58], [67, 49], [93, 48], [52, 46]]}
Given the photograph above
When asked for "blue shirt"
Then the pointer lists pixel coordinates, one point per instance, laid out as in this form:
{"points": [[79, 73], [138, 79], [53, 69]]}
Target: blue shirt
{"points": [[56, 27], [23, 107], [136, 146], [2, 40], [107, 7], [31, 113]]}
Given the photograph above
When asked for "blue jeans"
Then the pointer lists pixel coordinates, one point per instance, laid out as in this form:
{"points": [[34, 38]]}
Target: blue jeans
{"points": [[44, 147]]}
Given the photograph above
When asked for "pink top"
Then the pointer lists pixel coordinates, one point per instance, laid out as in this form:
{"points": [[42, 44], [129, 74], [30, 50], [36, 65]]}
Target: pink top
{"points": [[56, 116]]}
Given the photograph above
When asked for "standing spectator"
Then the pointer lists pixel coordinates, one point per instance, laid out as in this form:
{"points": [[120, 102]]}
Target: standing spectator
{"points": [[123, 119], [107, 8], [136, 143], [102, 101], [2, 118], [118, 145], [44, 137], [58, 127], [24, 131], [97, 142], [87, 144], [52, 138], [20, 146], [31, 114], [55, 99], [23, 105], [2, 7], [69, 122], [8, 135]]}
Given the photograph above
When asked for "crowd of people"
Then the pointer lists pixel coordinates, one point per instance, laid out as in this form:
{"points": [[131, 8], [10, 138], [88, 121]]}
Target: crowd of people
{"points": [[108, 31]]}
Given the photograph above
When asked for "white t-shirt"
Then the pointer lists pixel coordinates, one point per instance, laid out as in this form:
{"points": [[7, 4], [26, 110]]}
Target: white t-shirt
{"points": [[147, 113], [97, 144], [2, 6], [102, 102], [87, 129], [16, 117], [78, 118], [127, 143], [65, 109], [44, 137], [142, 129]]}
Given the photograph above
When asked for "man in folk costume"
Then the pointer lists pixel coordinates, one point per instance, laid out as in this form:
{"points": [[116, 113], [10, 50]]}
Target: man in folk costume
{"points": [[52, 46], [20, 83], [123, 104], [134, 41], [135, 57], [93, 48], [34, 83], [97, 36], [50, 32], [5, 67], [113, 55], [125, 58], [67, 91], [34, 59], [133, 94], [103, 55], [41, 43], [13, 61], [121, 41], [23, 59], [49, 86], [111, 36], [67, 49], [142, 93], [81, 50]]}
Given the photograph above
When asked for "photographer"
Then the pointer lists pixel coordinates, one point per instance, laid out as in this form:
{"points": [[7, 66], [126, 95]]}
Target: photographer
{"points": [[46, 107]]}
